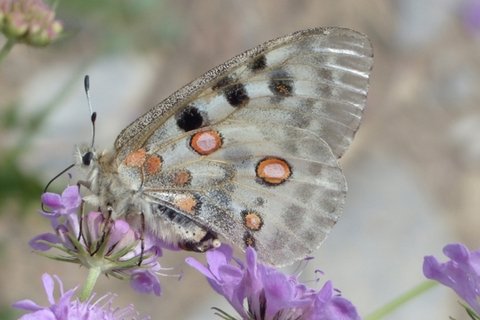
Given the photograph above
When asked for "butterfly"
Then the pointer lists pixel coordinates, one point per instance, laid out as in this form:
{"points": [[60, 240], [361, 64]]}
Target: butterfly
{"points": [[247, 153]]}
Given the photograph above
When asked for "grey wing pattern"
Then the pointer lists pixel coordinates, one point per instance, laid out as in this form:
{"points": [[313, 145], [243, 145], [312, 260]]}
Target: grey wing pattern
{"points": [[258, 138]]}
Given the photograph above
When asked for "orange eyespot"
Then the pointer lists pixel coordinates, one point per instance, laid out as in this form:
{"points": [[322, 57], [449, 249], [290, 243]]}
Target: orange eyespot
{"points": [[153, 164], [182, 178], [273, 170], [186, 203], [252, 220], [206, 142], [136, 158]]}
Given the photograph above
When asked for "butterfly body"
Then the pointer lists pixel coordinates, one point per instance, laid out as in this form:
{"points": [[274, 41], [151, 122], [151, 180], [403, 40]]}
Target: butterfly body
{"points": [[247, 152]]}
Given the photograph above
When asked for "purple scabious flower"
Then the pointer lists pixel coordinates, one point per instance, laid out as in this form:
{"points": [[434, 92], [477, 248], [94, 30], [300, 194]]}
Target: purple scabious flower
{"points": [[93, 241], [268, 293], [69, 307], [461, 272]]}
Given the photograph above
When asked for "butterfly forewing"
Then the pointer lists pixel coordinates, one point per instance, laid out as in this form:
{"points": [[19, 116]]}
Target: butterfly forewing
{"points": [[249, 150]]}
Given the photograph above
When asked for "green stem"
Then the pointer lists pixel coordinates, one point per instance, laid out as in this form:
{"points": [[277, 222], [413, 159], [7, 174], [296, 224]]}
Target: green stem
{"points": [[6, 48], [89, 284], [401, 300]]}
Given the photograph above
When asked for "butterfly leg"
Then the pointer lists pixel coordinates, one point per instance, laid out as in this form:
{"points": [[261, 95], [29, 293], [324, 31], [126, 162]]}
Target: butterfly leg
{"points": [[142, 239], [106, 229], [82, 210]]}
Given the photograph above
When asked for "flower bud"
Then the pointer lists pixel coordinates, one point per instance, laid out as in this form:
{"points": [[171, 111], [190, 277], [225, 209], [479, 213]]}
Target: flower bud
{"points": [[29, 21]]}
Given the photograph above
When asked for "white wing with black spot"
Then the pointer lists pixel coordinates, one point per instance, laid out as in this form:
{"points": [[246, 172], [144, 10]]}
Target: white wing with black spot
{"points": [[249, 150]]}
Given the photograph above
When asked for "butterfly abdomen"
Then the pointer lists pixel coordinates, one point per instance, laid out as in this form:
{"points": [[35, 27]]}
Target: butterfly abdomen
{"points": [[177, 229]]}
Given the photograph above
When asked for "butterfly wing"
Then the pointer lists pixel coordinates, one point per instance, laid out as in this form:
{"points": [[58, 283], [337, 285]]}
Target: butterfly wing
{"points": [[249, 150]]}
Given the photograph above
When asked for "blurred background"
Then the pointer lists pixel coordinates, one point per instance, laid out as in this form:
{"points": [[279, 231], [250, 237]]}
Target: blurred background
{"points": [[413, 169]]}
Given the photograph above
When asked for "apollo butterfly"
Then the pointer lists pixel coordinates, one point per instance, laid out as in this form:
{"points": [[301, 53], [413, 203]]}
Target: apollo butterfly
{"points": [[247, 153]]}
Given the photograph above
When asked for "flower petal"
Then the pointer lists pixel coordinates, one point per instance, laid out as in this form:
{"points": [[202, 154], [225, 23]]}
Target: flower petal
{"points": [[71, 198], [433, 270], [457, 252], [279, 292], [27, 304], [44, 314], [144, 281], [38, 242], [53, 200], [230, 274], [49, 286], [338, 308], [217, 257], [461, 273], [94, 221], [121, 233], [200, 267]]}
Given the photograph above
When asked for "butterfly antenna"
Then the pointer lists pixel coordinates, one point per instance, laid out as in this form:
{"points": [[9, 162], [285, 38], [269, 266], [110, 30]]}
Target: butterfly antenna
{"points": [[93, 115], [53, 179]]}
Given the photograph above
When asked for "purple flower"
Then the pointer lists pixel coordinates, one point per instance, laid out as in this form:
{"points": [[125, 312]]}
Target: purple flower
{"points": [[268, 293], [461, 273], [66, 203], [69, 307], [93, 241], [145, 281]]}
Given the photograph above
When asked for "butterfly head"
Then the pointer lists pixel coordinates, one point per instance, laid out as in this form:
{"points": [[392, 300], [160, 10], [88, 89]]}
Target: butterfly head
{"points": [[87, 158]]}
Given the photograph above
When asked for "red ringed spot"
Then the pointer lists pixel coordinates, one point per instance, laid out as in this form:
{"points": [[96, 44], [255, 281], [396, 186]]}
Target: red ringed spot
{"points": [[182, 178], [136, 158], [273, 170], [187, 203], [206, 142], [252, 220], [153, 164]]}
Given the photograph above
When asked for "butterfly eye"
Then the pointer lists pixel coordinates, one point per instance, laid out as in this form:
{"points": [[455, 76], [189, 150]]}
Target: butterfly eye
{"points": [[87, 158]]}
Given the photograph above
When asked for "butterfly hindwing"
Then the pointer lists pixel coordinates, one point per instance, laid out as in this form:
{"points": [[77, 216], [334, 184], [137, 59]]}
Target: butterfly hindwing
{"points": [[249, 150]]}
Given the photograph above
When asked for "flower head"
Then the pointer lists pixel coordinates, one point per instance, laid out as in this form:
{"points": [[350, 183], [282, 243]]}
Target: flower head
{"points": [[94, 241], [30, 21], [461, 272], [67, 306], [267, 292]]}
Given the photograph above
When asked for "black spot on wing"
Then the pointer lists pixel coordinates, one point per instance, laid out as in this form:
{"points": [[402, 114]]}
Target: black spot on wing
{"points": [[249, 240], [189, 119], [236, 95], [281, 84], [258, 64]]}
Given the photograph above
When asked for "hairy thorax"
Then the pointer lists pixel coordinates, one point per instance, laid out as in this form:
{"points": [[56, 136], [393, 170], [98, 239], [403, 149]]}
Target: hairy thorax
{"points": [[118, 191]]}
